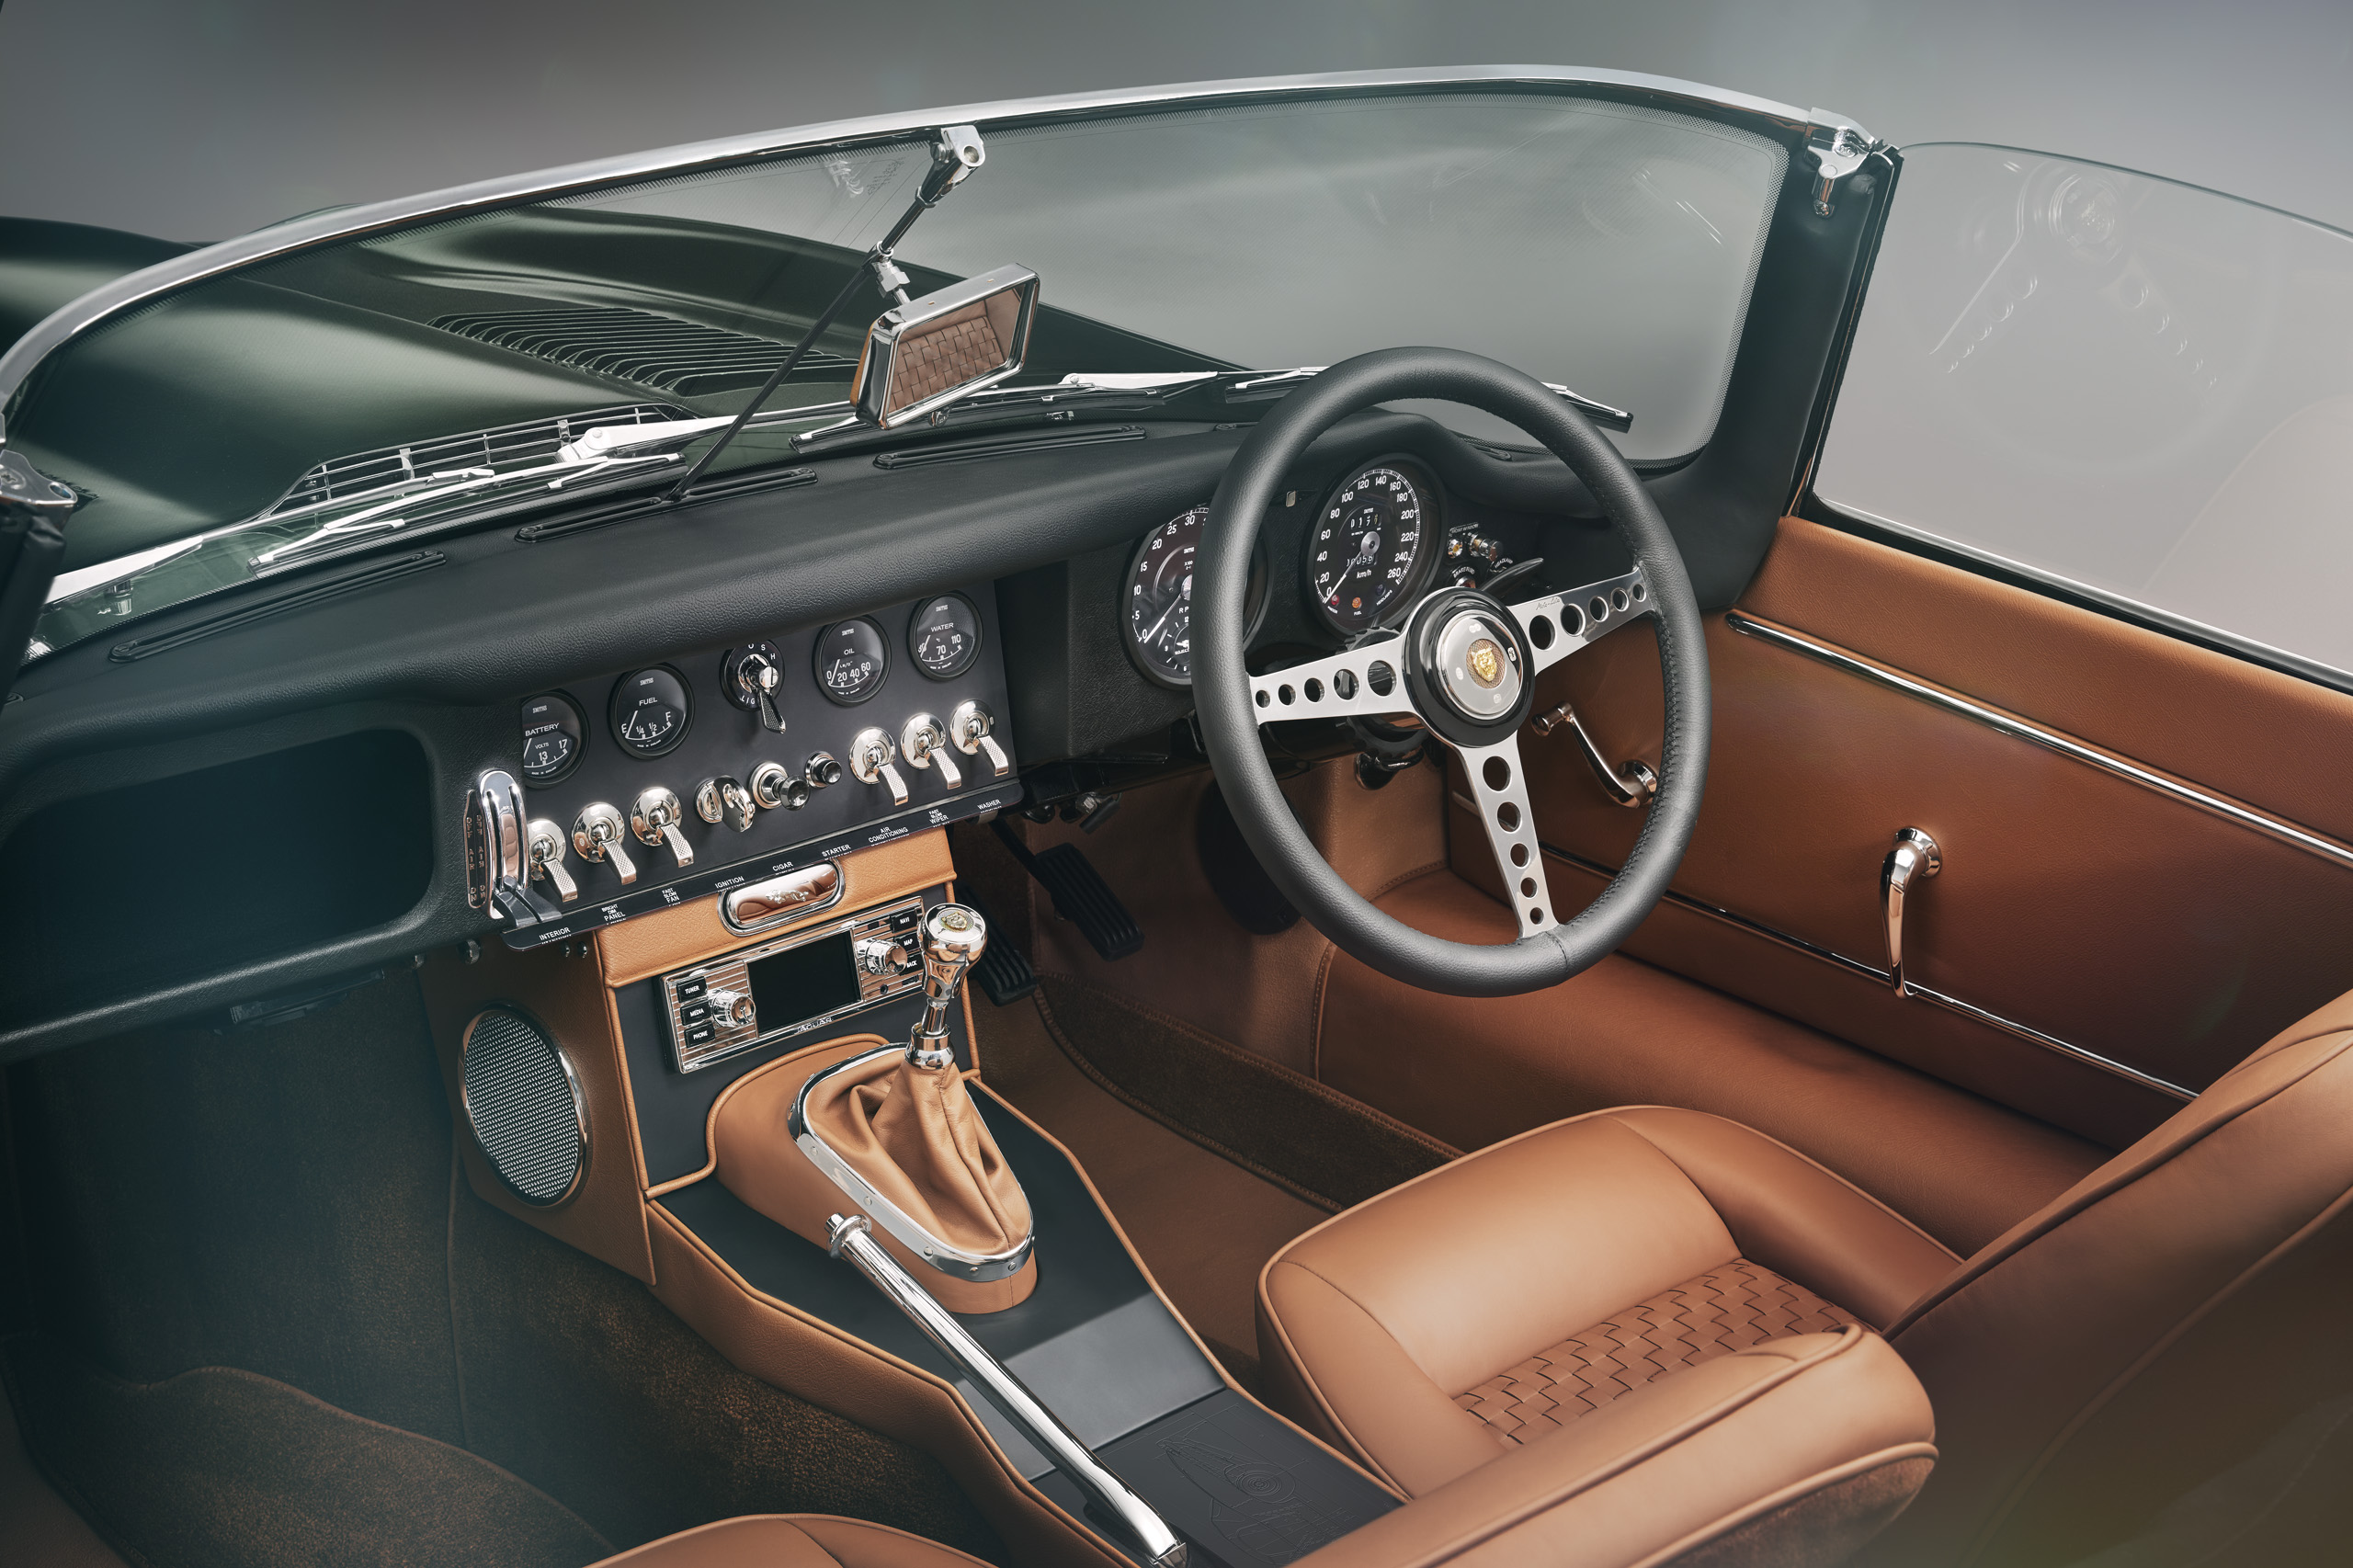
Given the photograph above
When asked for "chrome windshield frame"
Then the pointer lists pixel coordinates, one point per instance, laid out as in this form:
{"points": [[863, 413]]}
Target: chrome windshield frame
{"points": [[103, 304]]}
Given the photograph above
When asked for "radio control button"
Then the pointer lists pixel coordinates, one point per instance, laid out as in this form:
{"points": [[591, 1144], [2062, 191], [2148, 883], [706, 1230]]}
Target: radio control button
{"points": [[694, 1012], [702, 1034], [732, 1009], [692, 986]]}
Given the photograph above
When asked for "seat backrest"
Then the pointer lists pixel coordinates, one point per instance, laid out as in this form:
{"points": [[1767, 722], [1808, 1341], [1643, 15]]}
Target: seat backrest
{"points": [[2164, 1350]]}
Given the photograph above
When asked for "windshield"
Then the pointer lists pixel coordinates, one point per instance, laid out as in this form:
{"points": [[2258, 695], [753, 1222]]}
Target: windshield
{"points": [[1603, 246]]}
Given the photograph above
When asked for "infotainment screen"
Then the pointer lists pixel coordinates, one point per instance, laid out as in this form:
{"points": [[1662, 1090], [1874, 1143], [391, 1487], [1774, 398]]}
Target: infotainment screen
{"points": [[803, 983]]}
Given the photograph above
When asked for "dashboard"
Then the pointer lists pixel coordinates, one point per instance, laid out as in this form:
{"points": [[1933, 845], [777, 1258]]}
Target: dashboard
{"points": [[677, 705], [645, 786]]}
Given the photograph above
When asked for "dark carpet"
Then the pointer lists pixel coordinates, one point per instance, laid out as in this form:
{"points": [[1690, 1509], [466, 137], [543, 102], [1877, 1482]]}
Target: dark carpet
{"points": [[1319, 1144], [284, 1201], [226, 1468]]}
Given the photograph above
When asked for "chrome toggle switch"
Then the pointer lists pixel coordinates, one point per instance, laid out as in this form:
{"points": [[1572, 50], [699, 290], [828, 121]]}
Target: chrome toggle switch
{"points": [[871, 753], [773, 787], [822, 771], [547, 859], [969, 727], [924, 745], [654, 816], [597, 834], [724, 799]]}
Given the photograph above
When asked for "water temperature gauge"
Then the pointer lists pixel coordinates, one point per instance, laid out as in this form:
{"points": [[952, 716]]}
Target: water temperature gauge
{"points": [[944, 636], [651, 711]]}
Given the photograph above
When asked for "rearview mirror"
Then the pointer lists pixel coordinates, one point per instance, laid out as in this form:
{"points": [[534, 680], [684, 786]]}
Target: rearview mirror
{"points": [[927, 353]]}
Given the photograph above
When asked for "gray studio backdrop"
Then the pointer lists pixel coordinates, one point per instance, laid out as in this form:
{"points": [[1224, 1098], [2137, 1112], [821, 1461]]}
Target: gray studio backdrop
{"points": [[198, 119]]}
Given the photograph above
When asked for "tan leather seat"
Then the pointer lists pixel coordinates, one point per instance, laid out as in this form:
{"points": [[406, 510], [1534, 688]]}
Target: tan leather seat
{"points": [[2170, 1324], [791, 1540]]}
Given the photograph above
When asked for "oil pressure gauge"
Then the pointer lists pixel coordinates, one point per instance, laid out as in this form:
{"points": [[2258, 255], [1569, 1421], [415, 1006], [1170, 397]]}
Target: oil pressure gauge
{"points": [[851, 660], [651, 711]]}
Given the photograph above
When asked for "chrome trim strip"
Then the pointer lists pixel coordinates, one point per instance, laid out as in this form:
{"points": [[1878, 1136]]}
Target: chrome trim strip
{"points": [[2107, 1065], [70, 321], [2051, 740], [949, 1259], [1881, 977]]}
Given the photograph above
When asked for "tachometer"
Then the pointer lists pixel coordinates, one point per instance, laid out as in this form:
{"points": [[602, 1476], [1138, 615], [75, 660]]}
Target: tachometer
{"points": [[1156, 614], [1371, 550]]}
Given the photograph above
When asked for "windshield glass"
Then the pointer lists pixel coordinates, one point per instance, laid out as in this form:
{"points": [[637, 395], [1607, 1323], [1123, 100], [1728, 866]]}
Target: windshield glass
{"points": [[2136, 389], [1603, 246]]}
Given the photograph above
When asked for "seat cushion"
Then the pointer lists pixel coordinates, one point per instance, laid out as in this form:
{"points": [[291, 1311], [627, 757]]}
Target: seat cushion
{"points": [[1503, 1297], [791, 1540]]}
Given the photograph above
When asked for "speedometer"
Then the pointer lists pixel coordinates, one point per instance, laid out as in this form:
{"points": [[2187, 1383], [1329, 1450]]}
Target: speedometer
{"points": [[1156, 609], [1372, 547]]}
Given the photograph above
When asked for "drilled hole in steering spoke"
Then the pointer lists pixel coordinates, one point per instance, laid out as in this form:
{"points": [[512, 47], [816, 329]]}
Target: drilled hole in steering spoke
{"points": [[1520, 854], [1536, 918], [1285, 696], [1599, 608], [1496, 772], [1621, 600], [1527, 887], [1315, 690], [1508, 817], [1539, 631], [1263, 699], [1381, 677], [1344, 684], [1572, 619]]}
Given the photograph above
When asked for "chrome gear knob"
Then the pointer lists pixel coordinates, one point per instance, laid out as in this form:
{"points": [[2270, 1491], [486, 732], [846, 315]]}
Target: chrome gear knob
{"points": [[953, 936]]}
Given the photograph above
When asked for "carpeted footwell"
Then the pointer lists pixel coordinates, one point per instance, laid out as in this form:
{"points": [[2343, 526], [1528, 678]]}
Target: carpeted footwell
{"points": [[284, 1201], [218, 1466]]}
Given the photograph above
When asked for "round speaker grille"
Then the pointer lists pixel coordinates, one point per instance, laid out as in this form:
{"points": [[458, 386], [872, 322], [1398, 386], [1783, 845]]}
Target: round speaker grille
{"points": [[523, 1104]]}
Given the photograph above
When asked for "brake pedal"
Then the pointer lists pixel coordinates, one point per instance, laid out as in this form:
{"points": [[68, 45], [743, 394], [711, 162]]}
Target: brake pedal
{"points": [[1081, 895], [1004, 971]]}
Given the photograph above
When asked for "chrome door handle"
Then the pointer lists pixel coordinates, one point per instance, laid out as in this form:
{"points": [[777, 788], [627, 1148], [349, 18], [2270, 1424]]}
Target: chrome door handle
{"points": [[1627, 784], [1915, 858]]}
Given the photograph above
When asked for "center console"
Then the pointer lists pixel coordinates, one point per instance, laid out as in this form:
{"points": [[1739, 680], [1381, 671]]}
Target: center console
{"points": [[641, 1089]]}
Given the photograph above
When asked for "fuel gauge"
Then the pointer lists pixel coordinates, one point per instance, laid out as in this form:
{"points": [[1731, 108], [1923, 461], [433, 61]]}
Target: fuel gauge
{"points": [[651, 711]]}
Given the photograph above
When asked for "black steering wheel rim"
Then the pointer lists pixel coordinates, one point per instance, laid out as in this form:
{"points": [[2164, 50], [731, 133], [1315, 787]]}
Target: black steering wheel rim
{"points": [[1230, 714]]}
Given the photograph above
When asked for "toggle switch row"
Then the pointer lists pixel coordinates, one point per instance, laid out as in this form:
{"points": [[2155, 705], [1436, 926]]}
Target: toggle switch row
{"points": [[600, 833]]}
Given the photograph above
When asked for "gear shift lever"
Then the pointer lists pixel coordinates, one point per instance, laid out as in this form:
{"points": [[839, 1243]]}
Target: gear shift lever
{"points": [[954, 935]]}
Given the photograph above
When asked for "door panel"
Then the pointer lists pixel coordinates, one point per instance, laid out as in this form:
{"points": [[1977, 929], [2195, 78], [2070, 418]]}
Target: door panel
{"points": [[2109, 915]]}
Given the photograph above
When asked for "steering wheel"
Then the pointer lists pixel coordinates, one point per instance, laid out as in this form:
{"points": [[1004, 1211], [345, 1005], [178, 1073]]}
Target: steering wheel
{"points": [[1462, 664]]}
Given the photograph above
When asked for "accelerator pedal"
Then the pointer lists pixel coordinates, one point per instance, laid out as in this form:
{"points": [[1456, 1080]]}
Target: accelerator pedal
{"points": [[1081, 895]]}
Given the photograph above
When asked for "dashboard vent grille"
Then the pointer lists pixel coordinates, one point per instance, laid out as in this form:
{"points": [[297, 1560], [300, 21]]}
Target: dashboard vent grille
{"points": [[684, 357], [532, 441]]}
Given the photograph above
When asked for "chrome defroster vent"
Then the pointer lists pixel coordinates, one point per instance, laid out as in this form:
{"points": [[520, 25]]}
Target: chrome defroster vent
{"points": [[523, 1102], [653, 350], [505, 446]]}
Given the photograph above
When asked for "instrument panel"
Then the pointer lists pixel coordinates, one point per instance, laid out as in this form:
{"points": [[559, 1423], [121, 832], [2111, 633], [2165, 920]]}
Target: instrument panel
{"points": [[645, 786]]}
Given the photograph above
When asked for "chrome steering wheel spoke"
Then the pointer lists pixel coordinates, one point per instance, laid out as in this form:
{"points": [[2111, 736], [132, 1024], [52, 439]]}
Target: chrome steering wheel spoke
{"points": [[1499, 790], [1558, 624], [1360, 682]]}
